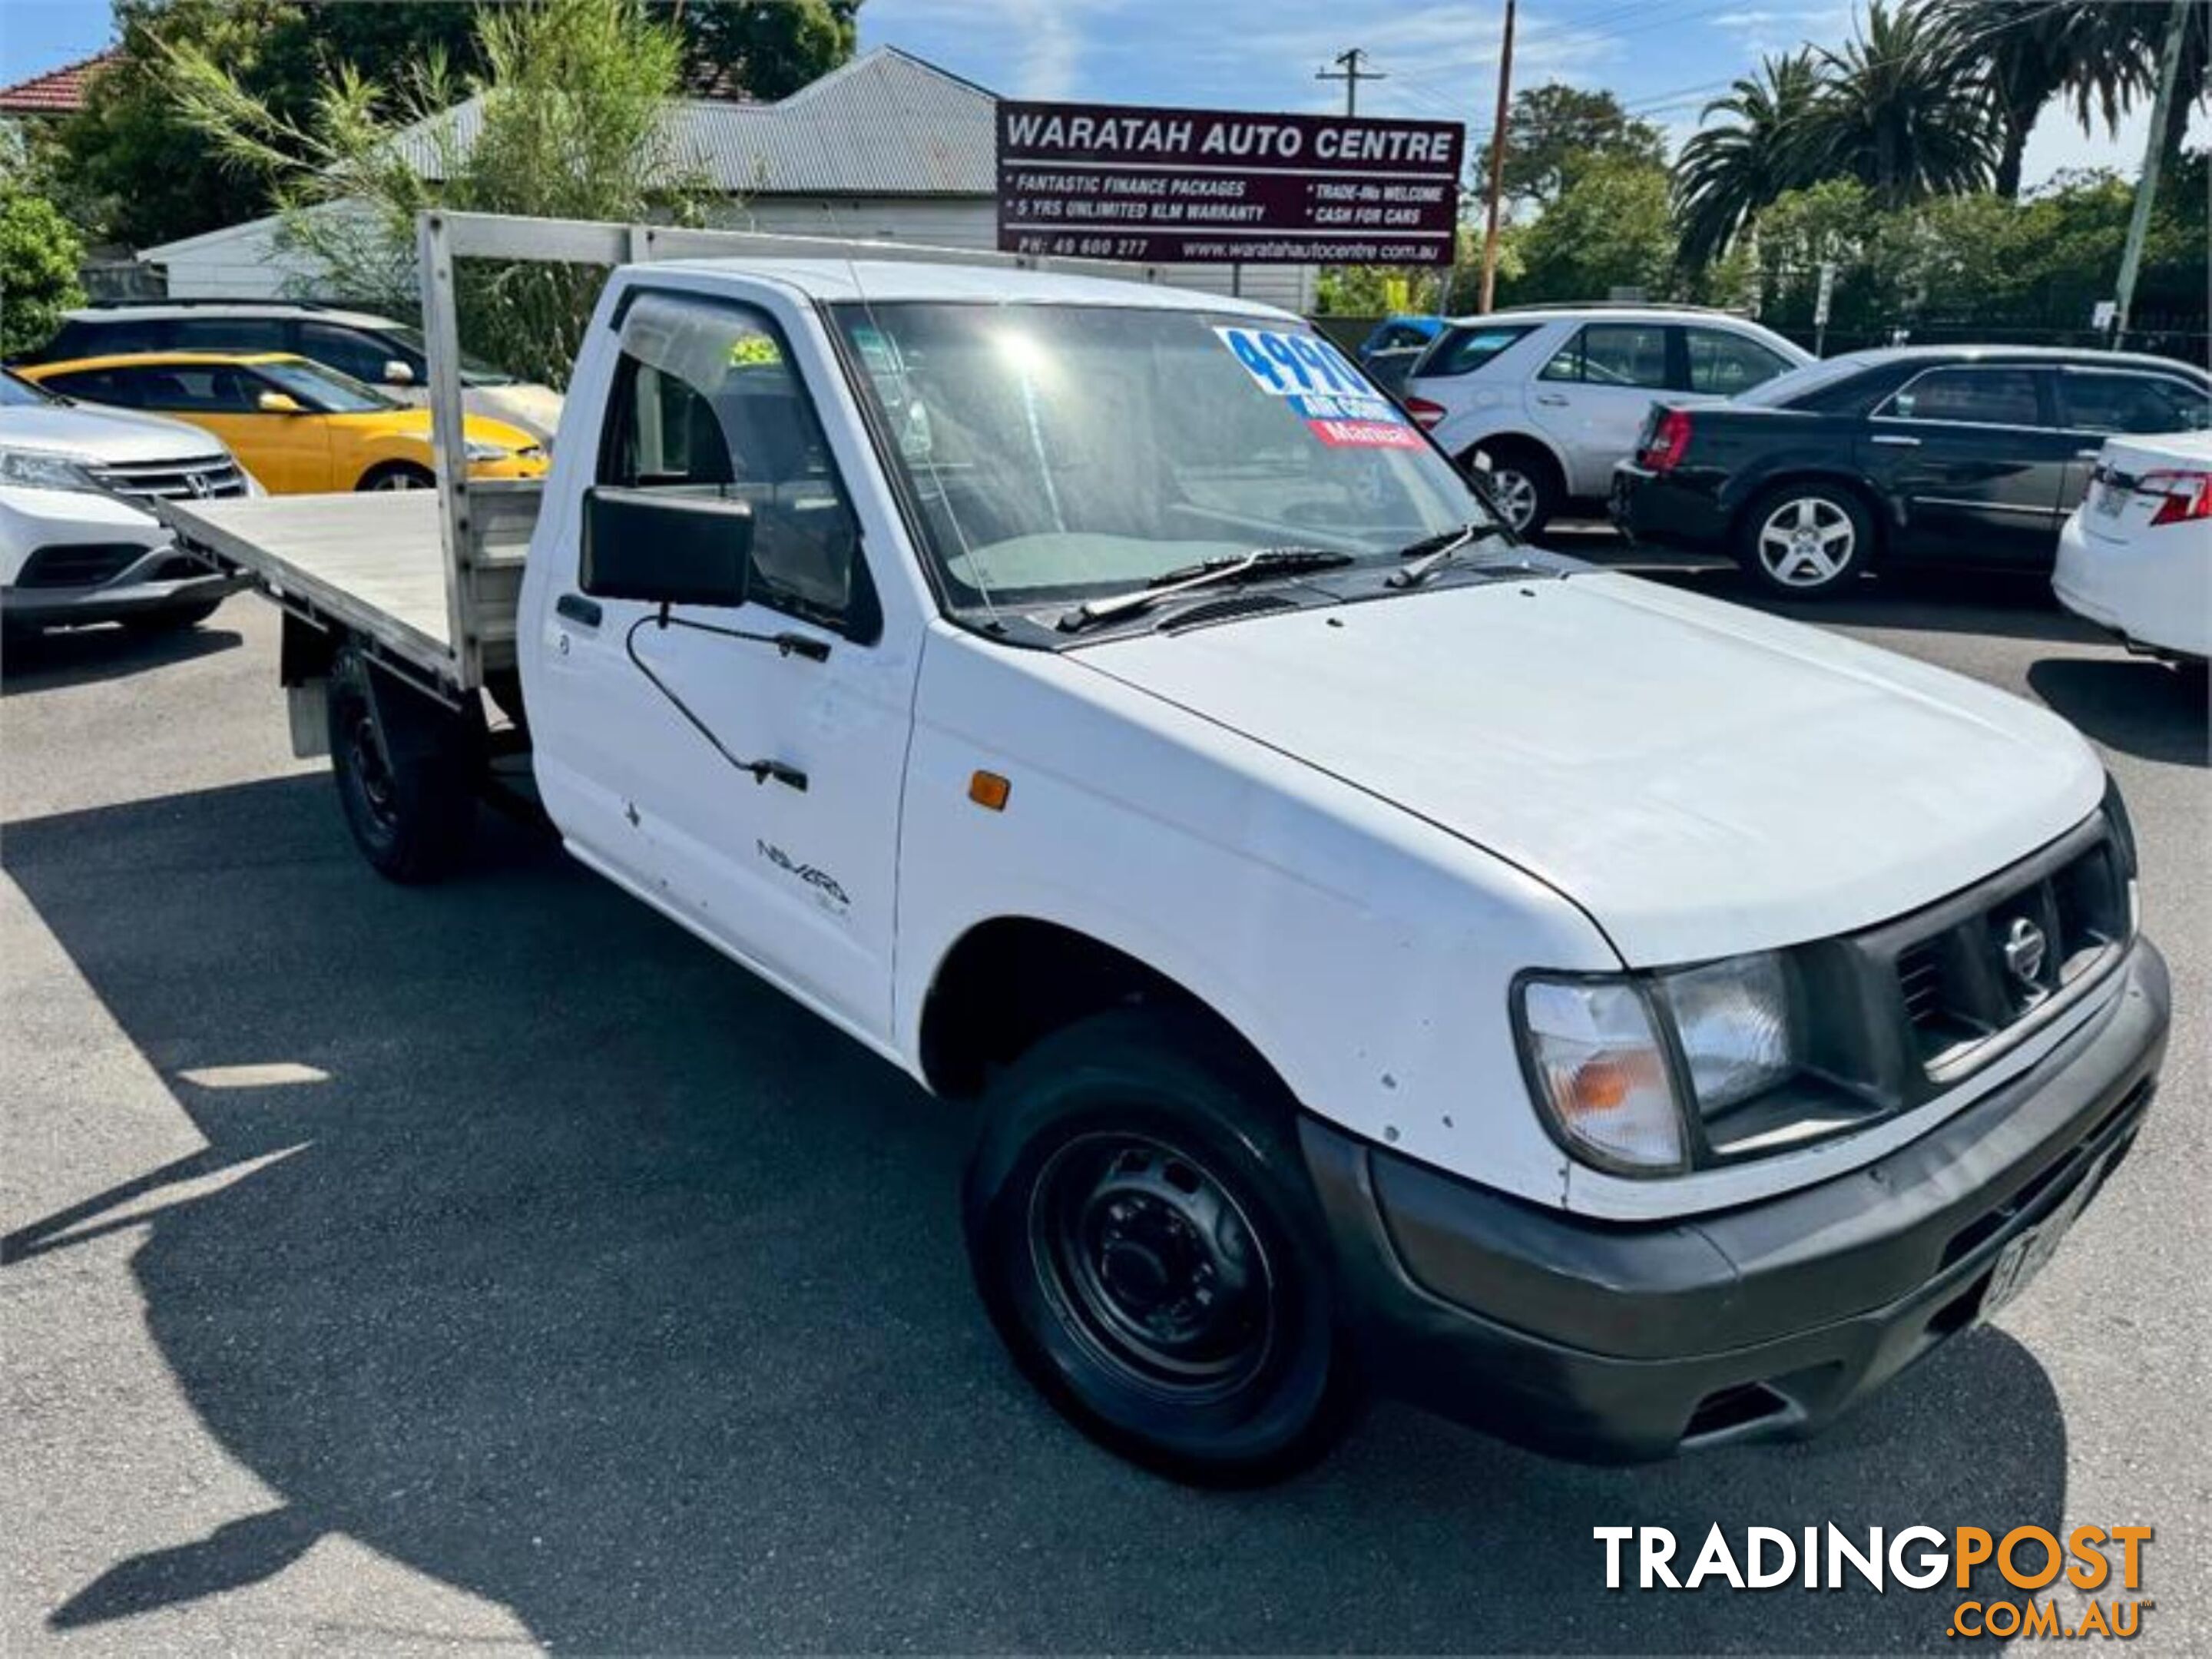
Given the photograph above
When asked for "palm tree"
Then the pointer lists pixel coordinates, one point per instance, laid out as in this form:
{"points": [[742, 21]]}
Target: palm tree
{"points": [[1896, 114], [1727, 173], [2094, 52]]}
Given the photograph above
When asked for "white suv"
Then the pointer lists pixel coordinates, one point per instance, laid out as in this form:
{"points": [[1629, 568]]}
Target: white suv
{"points": [[1549, 397]]}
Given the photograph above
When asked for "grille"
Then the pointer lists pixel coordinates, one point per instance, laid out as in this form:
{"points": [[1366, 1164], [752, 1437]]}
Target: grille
{"points": [[85, 564], [169, 480], [1974, 979]]}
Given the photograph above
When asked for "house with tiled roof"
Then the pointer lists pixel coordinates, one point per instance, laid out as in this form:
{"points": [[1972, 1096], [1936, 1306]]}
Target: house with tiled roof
{"points": [[57, 93], [888, 147]]}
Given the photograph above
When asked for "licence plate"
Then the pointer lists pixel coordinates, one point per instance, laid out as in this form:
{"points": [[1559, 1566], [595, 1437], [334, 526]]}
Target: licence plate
{"points": [[2024, 1257]]}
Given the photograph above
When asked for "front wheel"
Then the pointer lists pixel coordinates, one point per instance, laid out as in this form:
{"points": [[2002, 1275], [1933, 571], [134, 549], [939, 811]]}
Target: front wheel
{"points": [[1144, 1237], [397, 475], [1806, 541]]}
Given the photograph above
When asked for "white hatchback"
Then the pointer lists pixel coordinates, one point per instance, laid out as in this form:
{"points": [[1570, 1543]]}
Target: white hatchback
{"points": [[2136, 558], [1551, 396]]}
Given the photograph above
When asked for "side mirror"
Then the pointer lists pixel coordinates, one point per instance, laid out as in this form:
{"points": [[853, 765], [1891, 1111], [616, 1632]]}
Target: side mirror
{"points": [[279, 402], [398, 373], [666, 548]]}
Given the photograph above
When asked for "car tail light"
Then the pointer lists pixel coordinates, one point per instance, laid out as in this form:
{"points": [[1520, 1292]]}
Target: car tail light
{"points": [[1425, 414], [1668, 439], [2188, 496]]}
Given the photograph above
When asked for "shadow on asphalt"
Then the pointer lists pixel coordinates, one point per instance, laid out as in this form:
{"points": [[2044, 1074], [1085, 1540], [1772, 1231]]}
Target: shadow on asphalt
{"points": [[79, 656], [2140, 708], [598, 1279]]}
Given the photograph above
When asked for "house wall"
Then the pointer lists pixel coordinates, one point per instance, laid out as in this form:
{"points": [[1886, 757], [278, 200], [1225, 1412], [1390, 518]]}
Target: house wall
{"points": [[244, 262]]}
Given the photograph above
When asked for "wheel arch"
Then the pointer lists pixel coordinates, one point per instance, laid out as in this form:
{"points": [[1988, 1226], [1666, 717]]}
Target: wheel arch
{"points": [[1517, 438], [1010, 980]]}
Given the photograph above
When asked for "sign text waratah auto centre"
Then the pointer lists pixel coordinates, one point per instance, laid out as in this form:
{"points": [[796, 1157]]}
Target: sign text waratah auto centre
{"points": [[1209, 186]]}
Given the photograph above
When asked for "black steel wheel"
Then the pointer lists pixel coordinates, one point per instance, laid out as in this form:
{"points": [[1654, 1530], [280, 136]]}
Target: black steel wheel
{"points": [[1144, 1237], [407, 772]]}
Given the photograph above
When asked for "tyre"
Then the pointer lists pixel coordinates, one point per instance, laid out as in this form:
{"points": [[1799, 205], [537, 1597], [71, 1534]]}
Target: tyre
{"points": [[1145, 1239], [1806, 541], [1522, 481], [397, 475], [407, 773], [173, 620]]}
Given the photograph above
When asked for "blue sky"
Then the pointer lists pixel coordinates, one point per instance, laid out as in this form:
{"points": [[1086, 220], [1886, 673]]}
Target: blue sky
{"points": [[1663, 58]]}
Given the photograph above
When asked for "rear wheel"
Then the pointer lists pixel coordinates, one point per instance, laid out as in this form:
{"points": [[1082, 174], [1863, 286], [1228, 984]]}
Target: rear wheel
{"points": [[407, 772], [397, 475], [1144, 1237], [1806, 541], [1522, 481]]}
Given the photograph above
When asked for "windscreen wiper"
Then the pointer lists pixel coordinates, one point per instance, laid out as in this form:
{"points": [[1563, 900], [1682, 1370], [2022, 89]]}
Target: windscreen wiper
{"points": [[1433, 553], [1209, 573]]}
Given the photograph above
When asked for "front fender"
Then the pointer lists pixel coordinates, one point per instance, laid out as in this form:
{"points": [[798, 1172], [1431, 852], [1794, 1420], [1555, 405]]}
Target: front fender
{"points": [[1366, 956]]}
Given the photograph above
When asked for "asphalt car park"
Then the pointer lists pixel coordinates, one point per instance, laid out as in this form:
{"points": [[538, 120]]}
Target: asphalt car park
{"points": [[495, 1264]]}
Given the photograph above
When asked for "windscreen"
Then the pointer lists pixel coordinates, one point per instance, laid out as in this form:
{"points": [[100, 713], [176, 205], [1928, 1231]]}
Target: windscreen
{"points": [[1784, 390], [1060, 452]]}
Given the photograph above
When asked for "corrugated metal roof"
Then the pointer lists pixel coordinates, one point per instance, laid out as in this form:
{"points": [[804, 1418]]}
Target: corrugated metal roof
{"points": [[887, 124], [58, 91]]}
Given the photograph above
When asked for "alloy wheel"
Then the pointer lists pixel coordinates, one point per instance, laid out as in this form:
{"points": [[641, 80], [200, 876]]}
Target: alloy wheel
{"points": [[1807, 542]]}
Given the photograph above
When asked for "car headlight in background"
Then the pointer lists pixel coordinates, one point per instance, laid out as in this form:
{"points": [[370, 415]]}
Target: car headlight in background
{"points": [[1619, 1065], [32, 469]]}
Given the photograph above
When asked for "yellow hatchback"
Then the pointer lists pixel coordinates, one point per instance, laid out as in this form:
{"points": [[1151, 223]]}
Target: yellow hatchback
{"points": [[296, 426]]}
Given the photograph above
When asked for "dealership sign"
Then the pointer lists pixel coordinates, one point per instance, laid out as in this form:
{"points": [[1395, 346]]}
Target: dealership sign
{"points": [[1109, 182]]}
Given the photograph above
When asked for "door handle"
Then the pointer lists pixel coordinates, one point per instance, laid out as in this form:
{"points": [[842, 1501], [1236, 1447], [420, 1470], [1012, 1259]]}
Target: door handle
{"points": [[1896, 440], [1552, 399], [575, 608]]}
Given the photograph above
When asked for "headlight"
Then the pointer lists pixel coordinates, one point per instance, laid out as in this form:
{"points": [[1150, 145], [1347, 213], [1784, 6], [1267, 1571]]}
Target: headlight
{"points": [[32, 469], [1733, 1021], [481, 450], [1595, 1059], [1620, 1066]]}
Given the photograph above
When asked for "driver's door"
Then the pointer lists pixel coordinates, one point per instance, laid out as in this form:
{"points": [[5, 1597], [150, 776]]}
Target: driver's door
{"points": [[707, 398]]}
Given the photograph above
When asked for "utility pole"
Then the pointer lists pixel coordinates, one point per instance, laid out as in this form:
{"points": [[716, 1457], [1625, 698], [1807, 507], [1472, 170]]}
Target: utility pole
{"points": [[1352, 75], [1497, 161], [2169, 67]]}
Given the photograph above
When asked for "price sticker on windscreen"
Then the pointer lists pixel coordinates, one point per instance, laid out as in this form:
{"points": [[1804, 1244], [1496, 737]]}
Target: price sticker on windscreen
{"points": [[1321, 388]]}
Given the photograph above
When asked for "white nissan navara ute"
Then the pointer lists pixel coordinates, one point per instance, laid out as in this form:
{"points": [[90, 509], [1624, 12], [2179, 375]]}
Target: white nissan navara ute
{"points": [[1381, 953]]}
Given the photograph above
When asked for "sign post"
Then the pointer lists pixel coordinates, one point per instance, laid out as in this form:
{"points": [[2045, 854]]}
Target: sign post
{"points": [[1106, 181]]}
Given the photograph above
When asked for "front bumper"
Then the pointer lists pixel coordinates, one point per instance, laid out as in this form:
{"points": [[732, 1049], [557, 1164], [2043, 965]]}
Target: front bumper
{"points": [[1619, 1343], [153, 583]]}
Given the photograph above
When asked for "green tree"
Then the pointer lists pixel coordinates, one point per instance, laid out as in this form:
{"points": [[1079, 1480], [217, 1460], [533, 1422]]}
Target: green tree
{"points": [[39, 257], [2092, 51], [1727, 173], [571, 119], [1610, 228], [771, 48], [1552, 129], [1895, 113], [140, 173]]}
